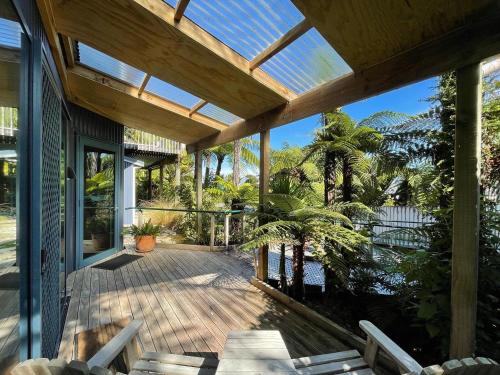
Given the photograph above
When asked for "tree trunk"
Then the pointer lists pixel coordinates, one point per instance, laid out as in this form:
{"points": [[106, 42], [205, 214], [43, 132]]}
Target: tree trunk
{"points": [[347, 180], [330, 177], [208, 161], [298, 270], [236, 162], [220, 160], [282, 269]]}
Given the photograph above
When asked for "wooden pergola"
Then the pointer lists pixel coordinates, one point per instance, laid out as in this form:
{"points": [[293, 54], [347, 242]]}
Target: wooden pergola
{"points": [[386, 44]]}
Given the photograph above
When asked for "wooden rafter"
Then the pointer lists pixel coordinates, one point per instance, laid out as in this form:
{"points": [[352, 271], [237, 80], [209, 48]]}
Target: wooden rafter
{"points": [[121, 102], [47, 15], [185, 55], [458, 48], [289, 37], [180, 8], [197, 106], [144, 83], [69, 51]]}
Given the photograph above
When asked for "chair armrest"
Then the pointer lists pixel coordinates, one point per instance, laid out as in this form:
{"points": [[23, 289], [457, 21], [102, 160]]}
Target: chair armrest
{"points": [[377, 339], [115, 346]]}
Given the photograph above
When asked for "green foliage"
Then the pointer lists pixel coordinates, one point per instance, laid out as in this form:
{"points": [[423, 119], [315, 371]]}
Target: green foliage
{"points": [[146, 229]]}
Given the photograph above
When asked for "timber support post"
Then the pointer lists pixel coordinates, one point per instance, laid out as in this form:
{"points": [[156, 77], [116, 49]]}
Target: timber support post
{"points": [[198, 192], [465, 242], [265, 150], [178, 171], [150, 184]]}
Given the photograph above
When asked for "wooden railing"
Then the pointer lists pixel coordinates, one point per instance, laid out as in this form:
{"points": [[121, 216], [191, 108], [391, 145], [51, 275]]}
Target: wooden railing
{"points": [[143, 141]]}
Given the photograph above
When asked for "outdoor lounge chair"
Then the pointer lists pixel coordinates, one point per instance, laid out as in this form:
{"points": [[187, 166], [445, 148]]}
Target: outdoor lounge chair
{"points": [[352, 363], [137, 363], [347, 363]]}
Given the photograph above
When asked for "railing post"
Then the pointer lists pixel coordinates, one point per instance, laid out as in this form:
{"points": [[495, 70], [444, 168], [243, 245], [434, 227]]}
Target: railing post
{"points": [[212, 232], [198, 192], [465, 240], [226, 230], [265, 149]]}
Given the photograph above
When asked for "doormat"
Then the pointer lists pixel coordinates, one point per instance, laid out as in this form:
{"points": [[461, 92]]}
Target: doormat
{"points": [[119, 261], [9, 281]]}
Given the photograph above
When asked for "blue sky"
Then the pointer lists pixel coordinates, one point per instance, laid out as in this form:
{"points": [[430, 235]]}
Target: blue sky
{"points": [[409, 99]]}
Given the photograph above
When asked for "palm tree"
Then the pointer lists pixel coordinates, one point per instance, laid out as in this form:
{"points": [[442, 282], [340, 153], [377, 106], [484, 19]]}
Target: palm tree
{"points": [[291, 221], [244, 147], [343, 143]]}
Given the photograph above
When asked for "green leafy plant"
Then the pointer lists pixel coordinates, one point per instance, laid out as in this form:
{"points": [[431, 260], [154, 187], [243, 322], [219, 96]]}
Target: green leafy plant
{"points": [[146, 229]]}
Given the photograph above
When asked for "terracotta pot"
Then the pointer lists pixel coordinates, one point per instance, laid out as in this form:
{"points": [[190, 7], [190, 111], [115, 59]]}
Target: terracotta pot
{"points": [[144, 244]]}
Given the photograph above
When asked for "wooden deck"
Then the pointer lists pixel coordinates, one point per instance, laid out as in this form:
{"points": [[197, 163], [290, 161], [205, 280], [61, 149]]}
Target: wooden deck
{"points": [[189, 302]]}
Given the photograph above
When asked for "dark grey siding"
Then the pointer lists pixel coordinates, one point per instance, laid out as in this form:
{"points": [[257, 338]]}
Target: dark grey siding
{"points": [[91, 124]]}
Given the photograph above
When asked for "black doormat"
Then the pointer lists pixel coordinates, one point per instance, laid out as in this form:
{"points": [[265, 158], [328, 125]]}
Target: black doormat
{"points": [[9, 281], [117, 262]]}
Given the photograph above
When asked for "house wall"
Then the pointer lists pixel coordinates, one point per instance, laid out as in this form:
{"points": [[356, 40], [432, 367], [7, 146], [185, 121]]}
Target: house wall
{"points": [[39, 192]]}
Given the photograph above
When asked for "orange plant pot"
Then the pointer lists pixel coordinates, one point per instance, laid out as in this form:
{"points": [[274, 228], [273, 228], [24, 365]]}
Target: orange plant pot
{"points": [[144, 244]]}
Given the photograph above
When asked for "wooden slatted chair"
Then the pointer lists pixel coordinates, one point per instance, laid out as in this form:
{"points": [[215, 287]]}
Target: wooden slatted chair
{"points": [[137, 363], [351, 362]]}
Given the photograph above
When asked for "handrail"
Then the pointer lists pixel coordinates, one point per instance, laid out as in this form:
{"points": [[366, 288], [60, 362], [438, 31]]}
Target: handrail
{"points": [[189, 210]]}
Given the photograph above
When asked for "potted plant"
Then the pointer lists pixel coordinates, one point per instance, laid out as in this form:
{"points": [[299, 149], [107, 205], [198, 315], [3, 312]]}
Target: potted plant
{"points": [[100, 233], [145, 236]]}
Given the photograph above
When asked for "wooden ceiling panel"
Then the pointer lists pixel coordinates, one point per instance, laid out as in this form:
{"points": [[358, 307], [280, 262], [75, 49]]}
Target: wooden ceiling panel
{"points": [[366, 33], [120, 103], [142, 33]]}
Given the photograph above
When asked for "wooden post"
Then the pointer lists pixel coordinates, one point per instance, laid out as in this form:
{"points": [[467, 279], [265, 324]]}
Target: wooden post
{"points": [[465, 246], [265, 149], [212, 232], [198, 191], [160, 195], [150, 184], [226, 230], [178, 171]]}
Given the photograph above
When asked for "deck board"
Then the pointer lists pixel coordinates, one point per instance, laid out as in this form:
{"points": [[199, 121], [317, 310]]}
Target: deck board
{"points": [[189, 302]]}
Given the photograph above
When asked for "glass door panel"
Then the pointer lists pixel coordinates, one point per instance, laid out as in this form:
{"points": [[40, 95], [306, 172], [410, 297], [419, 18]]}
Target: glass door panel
{"points": [[99, 202]]}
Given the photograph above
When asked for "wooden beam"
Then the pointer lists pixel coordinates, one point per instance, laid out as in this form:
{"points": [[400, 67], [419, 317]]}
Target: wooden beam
{"points": [[288, 38], [366, 33], [265, 153], [465, 245], [197, 106], [69, 51], [180, 8], [46, 13], [469, 44], [119, 88], [198, 188], [144, 83], [143, 34]]}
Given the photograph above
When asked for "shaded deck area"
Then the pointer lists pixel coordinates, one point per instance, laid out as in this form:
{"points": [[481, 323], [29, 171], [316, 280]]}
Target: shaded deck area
{"points": [[189, 302]]}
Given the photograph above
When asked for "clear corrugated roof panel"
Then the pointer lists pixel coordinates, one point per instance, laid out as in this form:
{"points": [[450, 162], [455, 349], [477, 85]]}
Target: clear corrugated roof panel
{"points": [[306, 63], [170, 92], [218, 114], [248, 27], [172, 3], [109, 65], [10, 33]]}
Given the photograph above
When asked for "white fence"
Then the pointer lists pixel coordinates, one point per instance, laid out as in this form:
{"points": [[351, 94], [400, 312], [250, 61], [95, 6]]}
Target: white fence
{"points": [[398, 226]]}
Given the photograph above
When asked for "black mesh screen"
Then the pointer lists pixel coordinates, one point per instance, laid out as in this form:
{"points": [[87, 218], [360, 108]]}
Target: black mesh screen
{"points": [[51, 238]]}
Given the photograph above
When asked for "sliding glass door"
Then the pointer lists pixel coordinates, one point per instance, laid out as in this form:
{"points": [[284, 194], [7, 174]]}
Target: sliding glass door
{"points": [[98, 203]]}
